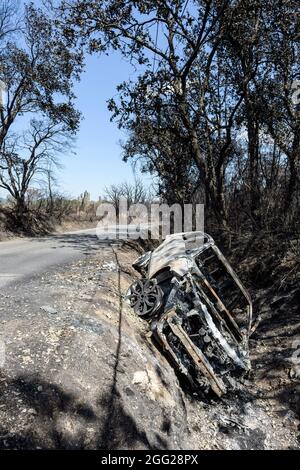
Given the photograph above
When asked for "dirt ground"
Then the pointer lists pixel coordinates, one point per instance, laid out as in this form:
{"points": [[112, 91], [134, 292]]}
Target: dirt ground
{"points": [[80, 371]]}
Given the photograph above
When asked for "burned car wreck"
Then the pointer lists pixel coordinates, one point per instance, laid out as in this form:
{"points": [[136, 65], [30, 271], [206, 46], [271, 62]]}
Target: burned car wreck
{"points": [[198, 310]]}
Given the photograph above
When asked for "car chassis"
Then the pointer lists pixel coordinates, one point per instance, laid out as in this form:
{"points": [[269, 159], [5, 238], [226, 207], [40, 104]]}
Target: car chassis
{"points": [[199, 311]]}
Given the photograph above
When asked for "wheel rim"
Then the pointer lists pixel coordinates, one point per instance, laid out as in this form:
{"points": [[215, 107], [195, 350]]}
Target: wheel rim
{"points": [[146, 297]]}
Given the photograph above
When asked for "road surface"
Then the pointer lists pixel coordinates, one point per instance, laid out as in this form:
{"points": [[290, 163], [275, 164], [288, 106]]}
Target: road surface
{"points": [[27, 257]]}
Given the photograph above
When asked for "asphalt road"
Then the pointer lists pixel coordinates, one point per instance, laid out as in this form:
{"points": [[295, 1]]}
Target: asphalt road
{"points": [[27, 257], [30, 256]]}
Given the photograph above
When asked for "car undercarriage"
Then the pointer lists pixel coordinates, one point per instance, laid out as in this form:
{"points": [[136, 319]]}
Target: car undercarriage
{"points": [[198, 310]]}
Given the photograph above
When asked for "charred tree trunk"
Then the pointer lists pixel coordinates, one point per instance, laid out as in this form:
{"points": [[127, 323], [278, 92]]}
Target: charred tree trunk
{"points": [[293, 183], [253, 152], [213, 184], [21, 211]]}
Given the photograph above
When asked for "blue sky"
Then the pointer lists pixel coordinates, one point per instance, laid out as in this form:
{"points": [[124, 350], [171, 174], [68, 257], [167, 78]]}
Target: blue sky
{"points": [[98, 161]]}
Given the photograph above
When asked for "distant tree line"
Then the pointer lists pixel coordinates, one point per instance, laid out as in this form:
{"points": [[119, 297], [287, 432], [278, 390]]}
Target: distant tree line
{"points": [[214, 109], [37, 113]]}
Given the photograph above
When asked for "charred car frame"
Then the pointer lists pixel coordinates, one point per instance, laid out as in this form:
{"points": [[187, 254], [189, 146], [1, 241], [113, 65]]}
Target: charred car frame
{"points": [[199, 311]]}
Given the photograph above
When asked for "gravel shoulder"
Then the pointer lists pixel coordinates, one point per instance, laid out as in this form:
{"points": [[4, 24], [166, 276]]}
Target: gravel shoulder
{"points": [[81, 372]]}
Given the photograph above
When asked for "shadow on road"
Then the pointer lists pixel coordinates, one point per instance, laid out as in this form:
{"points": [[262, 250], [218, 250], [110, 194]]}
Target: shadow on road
{"points": [[81, 242], [117, 422], [53, 407], [55, 418]]}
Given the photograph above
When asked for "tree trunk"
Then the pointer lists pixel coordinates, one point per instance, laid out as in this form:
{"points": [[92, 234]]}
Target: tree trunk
{"points": [[21, 210], [293, 183], [253, 151]]}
